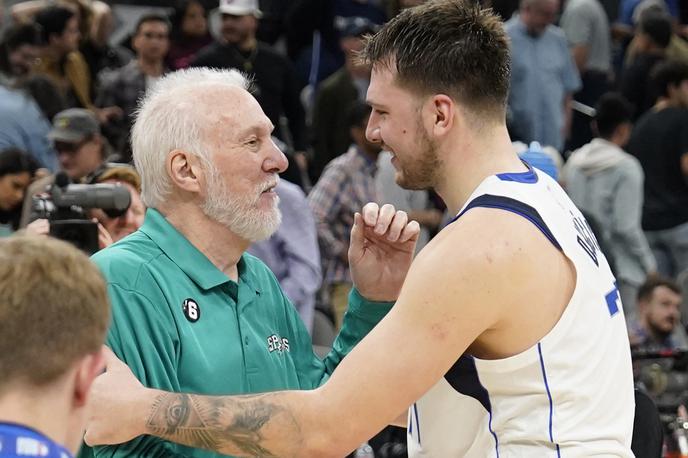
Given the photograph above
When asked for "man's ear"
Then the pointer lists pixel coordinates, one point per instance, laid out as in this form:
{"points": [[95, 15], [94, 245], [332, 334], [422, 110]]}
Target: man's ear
{"points": [[185, 171], [441, 110], [88, 368]]}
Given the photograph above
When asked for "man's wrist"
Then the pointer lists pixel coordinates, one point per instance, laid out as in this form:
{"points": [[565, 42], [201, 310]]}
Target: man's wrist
{"points": [[143, 409]]}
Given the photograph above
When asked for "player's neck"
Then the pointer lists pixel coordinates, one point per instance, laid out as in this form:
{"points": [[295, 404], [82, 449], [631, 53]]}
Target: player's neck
{"points": [[470, 158], [220, 245], [44, 411]]}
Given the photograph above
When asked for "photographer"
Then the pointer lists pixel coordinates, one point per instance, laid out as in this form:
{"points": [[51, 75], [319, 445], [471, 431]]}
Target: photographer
{"points": [[114, 222], [80, 149], [119, 227]]}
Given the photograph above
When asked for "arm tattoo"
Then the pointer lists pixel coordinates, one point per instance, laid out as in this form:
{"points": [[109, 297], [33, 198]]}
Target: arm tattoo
{"points": [[223, 424]]}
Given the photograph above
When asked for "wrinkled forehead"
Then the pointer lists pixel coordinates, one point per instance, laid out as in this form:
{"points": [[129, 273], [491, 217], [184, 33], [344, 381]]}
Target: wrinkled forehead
{"points": [[228, 112]]}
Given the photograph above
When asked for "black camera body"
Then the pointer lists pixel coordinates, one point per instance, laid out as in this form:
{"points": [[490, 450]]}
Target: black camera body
{"points": [[66, 207]]}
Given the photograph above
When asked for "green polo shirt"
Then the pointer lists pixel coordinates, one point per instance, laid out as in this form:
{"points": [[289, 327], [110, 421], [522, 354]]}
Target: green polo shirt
{"points": [[182, 325]]}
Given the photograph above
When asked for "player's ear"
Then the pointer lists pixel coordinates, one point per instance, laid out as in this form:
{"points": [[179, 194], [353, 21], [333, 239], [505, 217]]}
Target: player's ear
{"points": [[87, 369], [441, 109]]}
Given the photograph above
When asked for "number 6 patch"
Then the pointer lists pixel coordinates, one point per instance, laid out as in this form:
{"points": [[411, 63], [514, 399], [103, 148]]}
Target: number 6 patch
{"points": [[192, 311]]}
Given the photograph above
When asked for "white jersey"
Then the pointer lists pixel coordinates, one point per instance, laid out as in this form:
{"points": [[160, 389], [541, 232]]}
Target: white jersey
{"points": [[569, 395]]}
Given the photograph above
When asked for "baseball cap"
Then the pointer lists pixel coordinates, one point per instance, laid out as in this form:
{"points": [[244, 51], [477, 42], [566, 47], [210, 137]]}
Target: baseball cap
{"points": [[355, 26], [240, 8], [73, 126]]}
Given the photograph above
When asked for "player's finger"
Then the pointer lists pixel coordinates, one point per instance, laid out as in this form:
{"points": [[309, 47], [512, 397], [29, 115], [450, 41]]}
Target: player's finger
{"points": [[397, 225], [370, 212], [410, 232], [384, 218]]}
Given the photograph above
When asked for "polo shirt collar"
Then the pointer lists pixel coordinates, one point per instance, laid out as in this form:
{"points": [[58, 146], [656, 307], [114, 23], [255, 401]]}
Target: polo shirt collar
{"points": [[182, 252]]}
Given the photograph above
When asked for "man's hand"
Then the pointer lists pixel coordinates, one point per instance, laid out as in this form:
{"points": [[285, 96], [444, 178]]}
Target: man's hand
{"points": [[117, 409], [381, 250]]}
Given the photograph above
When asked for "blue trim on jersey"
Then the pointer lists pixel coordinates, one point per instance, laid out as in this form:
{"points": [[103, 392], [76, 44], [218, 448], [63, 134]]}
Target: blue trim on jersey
{"points": [[489, 426], [514, 206], [529, 177], [415, 412], [549, 395], [463, 377], [21, 441]]}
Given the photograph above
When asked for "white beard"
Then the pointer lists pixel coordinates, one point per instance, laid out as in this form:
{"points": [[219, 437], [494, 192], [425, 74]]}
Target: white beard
{"points": [[240, 214]]}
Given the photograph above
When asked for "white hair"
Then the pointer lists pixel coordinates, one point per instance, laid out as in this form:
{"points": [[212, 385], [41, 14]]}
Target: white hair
{"points": [[168, 118]]}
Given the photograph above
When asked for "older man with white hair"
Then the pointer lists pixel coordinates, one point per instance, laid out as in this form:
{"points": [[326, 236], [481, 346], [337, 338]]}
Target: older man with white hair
{"points": [[192, 312]]}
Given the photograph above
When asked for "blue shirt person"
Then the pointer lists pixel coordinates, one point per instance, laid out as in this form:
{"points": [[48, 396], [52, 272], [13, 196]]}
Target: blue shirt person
{"points": [[543, 78]]}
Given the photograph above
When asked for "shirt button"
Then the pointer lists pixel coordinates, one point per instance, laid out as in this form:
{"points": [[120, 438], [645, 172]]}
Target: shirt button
{"points": [[246, 340]]}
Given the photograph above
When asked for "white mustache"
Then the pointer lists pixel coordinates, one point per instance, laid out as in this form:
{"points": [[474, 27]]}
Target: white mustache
{"points": [[270, 184]]}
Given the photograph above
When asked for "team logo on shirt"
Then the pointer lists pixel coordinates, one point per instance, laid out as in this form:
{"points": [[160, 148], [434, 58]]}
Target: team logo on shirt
{"points": [[27, 446], [277, 343], [191, 310]]}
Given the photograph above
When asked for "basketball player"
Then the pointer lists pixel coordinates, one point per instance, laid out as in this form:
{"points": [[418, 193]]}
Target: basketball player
{"points": [[54, 314], [507, 338]]}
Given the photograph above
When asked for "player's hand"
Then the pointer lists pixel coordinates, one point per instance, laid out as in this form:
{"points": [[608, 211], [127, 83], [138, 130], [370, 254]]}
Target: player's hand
{"points": [[116, 412], [383, 242]]}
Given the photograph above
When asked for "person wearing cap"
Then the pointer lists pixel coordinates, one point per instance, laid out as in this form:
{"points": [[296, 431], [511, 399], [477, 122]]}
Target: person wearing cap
{"points": [[78, 142], [80, 148], [275, 84], [338, 91]]}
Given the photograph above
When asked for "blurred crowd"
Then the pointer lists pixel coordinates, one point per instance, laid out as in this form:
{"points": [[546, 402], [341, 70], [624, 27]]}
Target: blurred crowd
{"points": [[598, 99]]}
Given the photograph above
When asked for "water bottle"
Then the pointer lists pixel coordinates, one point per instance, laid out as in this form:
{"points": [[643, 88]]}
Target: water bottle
{"points": [[364, 451]]}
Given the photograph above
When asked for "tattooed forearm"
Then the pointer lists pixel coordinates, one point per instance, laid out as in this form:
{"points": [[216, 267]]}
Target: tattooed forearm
{"points": [[228, 425]]}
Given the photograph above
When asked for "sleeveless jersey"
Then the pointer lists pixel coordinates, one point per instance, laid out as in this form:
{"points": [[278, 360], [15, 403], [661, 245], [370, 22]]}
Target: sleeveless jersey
{"points": [[569, 395]]}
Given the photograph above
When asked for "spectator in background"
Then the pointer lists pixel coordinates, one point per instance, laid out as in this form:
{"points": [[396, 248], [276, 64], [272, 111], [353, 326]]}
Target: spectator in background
{"points": [[80, 147], [25, 114], [274, 80], [660, 142], [189, 33], [19, 51], [341, 89], [652, 38], [659, 317], [587, 30], [292, 252], [53, 317], [61, 59], [606, 183], [99, 54], [543, 75], [124, 174], [628, 13], [17, 170], [124, 87], [331, 135], [63, 62], [346, 185]]}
